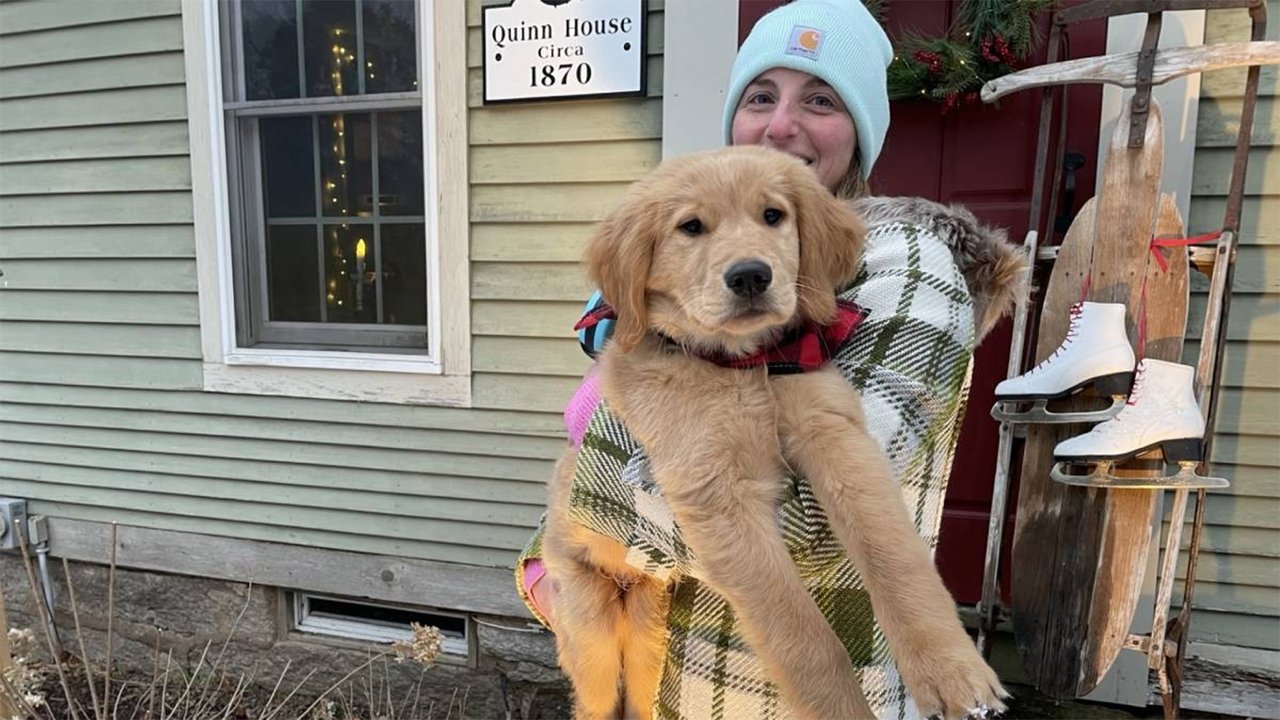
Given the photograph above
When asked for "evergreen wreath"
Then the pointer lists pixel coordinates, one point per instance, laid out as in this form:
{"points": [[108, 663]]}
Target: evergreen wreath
{"points": [[989, 38]]}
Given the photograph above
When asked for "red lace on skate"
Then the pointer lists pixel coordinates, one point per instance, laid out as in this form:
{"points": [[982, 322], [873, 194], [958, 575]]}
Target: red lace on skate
{"points": [[1072, 324], [1137, 387]]}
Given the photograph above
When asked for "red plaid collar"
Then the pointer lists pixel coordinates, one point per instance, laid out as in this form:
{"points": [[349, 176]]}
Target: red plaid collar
{"points": [[804, 349]]}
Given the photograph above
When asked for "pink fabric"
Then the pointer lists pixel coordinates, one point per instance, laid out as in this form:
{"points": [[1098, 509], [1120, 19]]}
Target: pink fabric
{"points": [[534, 573], [581, 406]]}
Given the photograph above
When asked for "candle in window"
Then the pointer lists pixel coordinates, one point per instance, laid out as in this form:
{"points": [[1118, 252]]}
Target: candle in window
{"points": [[360, 252]]}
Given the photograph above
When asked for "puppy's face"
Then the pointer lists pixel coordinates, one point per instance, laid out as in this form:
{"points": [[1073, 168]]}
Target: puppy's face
{"points": [[726, 259], [722, 251]]}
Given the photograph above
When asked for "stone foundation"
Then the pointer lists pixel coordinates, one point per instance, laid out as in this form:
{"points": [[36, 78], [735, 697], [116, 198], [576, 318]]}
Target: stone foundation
{"points": [[159, 616]]}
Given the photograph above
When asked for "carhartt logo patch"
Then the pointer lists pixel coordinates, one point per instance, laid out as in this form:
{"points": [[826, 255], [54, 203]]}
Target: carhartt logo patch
{"points": [[805, 42]]}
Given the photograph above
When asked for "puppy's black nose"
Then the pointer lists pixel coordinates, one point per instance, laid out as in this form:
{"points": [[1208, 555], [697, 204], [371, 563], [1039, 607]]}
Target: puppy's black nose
{"points": [[749, 278]]}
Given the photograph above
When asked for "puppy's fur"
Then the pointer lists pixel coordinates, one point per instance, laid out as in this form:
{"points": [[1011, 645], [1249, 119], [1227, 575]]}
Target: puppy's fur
{"points": [[721, 440]]}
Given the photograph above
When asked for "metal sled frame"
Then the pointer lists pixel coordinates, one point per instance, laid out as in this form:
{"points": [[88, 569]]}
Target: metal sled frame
{"points": [[1165, 646]]}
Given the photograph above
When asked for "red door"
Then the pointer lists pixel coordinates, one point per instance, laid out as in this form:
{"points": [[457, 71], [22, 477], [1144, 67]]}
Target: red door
{"points": [[982, 157]]}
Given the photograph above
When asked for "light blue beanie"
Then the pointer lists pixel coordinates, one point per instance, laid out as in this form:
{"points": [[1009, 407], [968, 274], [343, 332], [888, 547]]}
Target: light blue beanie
{"points": [[838, 41]]}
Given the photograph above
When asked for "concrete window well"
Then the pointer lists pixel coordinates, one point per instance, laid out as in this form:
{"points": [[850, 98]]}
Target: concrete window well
{"points": [[194, 647]]}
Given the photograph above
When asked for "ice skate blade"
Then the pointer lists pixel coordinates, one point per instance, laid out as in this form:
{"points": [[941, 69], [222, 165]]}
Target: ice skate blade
{"points": [[1101, 477], [1040, 414]]}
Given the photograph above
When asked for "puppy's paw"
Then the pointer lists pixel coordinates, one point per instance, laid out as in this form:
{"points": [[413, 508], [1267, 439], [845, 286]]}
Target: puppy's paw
{"points": [[952, 681]]}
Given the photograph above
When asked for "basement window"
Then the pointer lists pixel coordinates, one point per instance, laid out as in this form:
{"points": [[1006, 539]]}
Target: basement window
{"points": [[370, 622]]}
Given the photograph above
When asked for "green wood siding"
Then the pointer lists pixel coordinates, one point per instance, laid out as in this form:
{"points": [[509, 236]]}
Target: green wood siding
{"points": [[101, 413], [541, 175], [1238, 579]]}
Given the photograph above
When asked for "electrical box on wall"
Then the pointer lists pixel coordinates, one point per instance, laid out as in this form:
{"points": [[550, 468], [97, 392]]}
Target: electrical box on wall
{"points": [[13, 515]]}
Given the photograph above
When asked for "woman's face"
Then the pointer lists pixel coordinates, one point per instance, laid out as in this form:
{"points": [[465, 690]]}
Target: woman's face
{"points": [[800, 115]]}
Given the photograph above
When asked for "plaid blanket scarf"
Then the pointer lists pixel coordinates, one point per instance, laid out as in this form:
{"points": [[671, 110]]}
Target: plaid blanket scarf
{"points": [[911, 359]]}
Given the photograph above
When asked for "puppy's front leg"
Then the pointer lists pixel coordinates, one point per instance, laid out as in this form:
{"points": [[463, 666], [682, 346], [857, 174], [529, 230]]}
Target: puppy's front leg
{"points": [[713, 446], [726, 515], [823, 435]]}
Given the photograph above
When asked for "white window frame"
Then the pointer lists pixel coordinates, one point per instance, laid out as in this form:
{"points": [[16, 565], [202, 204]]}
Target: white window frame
{"points": [[378, 631], [443, 375]]}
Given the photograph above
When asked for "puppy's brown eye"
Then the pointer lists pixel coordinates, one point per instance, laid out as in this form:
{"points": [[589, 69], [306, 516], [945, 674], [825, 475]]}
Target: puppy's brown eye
{"points": [[693, 227], [772, 216]]}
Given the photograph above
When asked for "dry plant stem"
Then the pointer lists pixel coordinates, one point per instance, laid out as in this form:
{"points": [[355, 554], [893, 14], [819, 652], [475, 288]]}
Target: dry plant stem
{"points": [[217, 663], [136, 708], [348, 703], [12, 692], [84, 654], [155, 675], [417, 696], [270, 715], [405, 703], [111, 614], [164, 686], [186, 691], [336, 685], [368, 683], [279, 680], [235, 697], [115, 709], [46, 620], [386, 677], [448, 713]]}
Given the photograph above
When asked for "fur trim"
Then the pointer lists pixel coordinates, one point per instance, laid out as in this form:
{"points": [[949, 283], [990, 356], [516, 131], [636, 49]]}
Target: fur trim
{"points": [[994, 270]]}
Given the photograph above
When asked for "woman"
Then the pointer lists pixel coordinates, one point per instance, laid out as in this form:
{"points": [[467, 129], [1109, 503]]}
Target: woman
{"points": [[810, 81]]}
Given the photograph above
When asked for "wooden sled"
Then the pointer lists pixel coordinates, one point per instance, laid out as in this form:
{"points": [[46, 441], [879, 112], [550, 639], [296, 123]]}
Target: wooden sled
{"points": [[1080, 553]]}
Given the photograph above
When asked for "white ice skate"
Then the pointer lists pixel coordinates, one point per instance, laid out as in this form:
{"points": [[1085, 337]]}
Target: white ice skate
{"points": [[1161, 413], [1096, 352]]}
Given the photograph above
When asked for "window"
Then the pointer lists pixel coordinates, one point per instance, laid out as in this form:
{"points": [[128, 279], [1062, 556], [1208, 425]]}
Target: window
{"points": [[378, 622], [331, 260], [326, 167]]}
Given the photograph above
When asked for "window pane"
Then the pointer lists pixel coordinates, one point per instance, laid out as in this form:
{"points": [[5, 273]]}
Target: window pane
{"points": [[400, 162], [390, 59], [329, 47], [404, 275], [289, 165], [270, 49], [346, 171], [349, 274], [293, 280]]}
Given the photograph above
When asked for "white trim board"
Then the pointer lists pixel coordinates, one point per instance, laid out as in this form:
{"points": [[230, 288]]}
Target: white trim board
{"points": [[443, 376], [700, 38]]}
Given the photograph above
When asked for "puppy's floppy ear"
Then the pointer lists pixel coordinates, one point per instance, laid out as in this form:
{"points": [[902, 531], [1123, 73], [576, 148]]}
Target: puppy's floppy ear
{"points": [[831, 237], [618, 257]]}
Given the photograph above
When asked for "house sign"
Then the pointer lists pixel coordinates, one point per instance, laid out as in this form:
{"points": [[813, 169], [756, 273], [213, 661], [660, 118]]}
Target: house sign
{"points": [[563, 49]]}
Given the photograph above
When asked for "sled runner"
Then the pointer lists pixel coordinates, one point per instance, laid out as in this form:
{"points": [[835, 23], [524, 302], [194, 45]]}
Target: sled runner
{"points": [[1088, 494]]}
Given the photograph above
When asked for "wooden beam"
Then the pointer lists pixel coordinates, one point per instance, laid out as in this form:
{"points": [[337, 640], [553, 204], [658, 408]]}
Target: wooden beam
{"points": [[426, 583], [1122, 69], [7, 707]]}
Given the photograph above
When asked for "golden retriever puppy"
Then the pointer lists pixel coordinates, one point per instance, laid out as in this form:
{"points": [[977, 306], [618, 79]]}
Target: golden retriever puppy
{"points": [[718, 255]]}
